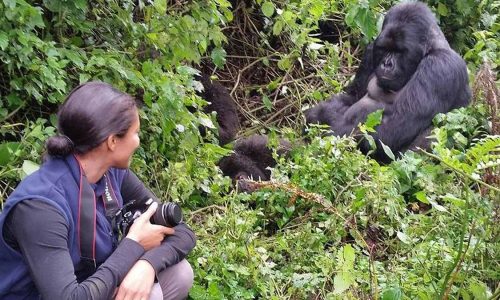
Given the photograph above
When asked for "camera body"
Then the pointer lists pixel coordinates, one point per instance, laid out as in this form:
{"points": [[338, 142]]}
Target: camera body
{"points": [[167, 214]]}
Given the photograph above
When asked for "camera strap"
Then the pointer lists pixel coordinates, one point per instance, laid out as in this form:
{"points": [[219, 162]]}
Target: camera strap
{"points": [[111, 204], [86, 224], [87, 219]]}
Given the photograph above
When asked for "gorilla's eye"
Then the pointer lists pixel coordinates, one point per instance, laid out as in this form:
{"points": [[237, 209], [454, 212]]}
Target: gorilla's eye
{"points": [[379, 53]]}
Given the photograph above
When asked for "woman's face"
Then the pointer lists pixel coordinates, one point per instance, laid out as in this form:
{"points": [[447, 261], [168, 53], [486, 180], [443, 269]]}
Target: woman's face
{"points": [[126, 145]]}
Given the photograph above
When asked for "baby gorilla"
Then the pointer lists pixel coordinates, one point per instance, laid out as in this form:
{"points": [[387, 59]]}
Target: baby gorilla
{"points": [[251, 159], [220, 101]]}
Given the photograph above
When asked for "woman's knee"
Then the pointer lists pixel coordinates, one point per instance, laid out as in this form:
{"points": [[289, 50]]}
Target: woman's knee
{"points": [[184, 275], [176, 281]]}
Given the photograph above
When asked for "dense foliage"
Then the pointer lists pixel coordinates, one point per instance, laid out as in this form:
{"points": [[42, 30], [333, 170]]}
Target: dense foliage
{"points": [[332, 224]]}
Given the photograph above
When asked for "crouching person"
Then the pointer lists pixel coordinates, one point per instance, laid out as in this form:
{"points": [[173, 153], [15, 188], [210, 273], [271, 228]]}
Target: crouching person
{"points": [[60, 229]]}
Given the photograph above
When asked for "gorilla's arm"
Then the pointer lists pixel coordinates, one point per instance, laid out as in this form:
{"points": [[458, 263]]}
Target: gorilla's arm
{"points": [[221, 102], [358, 87], [440, 84], [331, 111]]}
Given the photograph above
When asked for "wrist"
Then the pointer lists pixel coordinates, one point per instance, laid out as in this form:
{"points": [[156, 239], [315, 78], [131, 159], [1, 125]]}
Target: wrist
{"points": [[135, 239], [132, 237], [146, 266]]}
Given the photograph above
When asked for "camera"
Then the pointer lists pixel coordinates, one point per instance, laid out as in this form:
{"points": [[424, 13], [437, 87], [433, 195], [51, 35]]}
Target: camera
{"points": [[167, 214]]}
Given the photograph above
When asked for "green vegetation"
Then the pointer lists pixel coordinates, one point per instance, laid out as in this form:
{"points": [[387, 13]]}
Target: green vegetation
{"points": [[332, 224]]}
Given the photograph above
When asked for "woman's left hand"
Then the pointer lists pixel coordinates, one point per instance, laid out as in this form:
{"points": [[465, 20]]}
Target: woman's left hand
{"points": [[137, 283]]}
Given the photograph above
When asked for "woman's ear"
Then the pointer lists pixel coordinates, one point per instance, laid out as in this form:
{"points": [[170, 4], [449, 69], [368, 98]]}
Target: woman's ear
{"points": [[111, 142]]}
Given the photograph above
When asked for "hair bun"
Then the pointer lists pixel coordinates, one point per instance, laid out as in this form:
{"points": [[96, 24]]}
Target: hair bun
{"points": [[59, 145]]}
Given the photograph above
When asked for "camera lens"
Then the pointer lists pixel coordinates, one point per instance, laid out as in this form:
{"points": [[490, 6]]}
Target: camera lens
{"points": [[168, 214]]}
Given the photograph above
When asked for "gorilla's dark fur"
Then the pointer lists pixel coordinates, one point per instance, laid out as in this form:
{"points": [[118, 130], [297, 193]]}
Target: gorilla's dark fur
{"points": [[410, 56], [221, 102], [251, 158]]}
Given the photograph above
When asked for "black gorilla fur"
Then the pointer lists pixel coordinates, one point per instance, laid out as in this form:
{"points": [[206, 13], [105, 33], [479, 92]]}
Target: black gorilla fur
{"points": [[251, 158], [418, 63], [221, 102]]}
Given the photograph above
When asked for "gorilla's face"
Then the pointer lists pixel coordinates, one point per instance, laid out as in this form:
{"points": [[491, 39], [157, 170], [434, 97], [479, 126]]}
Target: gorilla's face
{"points": [[397, 56]]}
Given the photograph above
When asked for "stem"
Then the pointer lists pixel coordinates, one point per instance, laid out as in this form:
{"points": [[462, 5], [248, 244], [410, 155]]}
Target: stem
{"points": [[462, 172], [193, 213], [450, 277], [496, 294]]}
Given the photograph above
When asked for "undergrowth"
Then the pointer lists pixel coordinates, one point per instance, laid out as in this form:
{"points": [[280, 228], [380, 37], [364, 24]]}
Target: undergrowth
{"points": [[332, 223]]}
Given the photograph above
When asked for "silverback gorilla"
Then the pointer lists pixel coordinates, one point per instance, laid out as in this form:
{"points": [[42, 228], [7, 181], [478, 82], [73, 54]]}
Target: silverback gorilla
{"points": [[417, 70]]}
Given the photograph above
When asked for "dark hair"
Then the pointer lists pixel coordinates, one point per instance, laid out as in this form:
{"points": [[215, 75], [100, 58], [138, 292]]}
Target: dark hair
{"points": [[91, 112]]}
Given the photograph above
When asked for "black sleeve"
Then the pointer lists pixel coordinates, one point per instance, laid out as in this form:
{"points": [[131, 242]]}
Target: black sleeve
{"points": [[40, 232], [174, 248], [133, 189]]}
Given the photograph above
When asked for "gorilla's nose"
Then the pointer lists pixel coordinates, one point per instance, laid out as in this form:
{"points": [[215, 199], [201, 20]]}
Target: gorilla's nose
{"points": [[387, 65]]}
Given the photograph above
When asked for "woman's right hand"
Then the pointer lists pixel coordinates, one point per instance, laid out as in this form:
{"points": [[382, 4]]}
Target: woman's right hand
{"points": [[146, 234]]}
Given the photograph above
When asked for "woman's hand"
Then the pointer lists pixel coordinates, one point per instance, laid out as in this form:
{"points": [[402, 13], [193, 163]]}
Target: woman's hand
{"points": [[146, 234], [138, 282]]}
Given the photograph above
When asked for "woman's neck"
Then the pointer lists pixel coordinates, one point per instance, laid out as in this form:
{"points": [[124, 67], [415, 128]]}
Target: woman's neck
{"points": [[93, 164]]}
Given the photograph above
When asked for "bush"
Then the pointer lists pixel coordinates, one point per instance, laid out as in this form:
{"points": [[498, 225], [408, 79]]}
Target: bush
{"points": [[332, 223]]}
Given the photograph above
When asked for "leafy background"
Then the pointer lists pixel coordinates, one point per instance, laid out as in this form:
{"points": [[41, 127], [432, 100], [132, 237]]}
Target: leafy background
{"points": [[332, 224]]}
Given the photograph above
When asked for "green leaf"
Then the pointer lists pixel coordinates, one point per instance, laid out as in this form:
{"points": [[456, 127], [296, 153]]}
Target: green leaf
{"points": [[371, 140], [366, 21], [75, 58], [345, 277], [268, 9], [454, 200], [6, 152], [315, 46], [84, 77], [393, 293], [271, 86], [14, 100], [284, 63], [342, 282], [349, 256], [160, 6], [9, 3], [81, 4], [317, 9], [436, 206], [351, 15], [218, 56], [213, 290], [197, 292], [289, 17], [479, 290], [206, 122], [29, 167], [442, 9], [4, 40], [422, 197], [374, 119], [403, 237], [267, 102], [277, 27], [460, 138], [387, 151]]}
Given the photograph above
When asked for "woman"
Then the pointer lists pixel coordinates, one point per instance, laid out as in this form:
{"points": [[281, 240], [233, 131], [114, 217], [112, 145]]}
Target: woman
{"points": [[59, 237]]}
